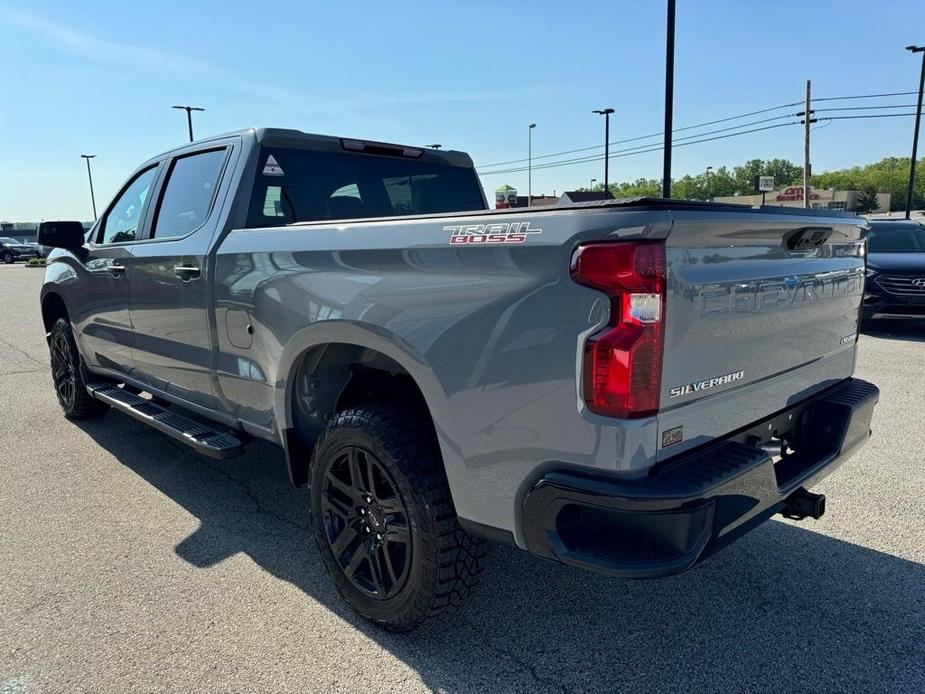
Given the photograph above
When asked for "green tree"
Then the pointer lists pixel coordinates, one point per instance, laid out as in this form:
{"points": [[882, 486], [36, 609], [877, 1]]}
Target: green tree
{"points": [[641, 187], [868, 200], [785, 173]]}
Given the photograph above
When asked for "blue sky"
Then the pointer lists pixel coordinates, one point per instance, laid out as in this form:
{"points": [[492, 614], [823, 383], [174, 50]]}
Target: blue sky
{"points": [[100, 77]]}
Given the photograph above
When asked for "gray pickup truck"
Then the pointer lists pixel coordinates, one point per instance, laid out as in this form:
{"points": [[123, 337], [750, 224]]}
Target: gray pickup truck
{"points": [[625, 386]]}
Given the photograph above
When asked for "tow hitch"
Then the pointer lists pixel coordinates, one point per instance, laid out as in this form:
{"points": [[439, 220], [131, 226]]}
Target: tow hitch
{"points": [[803, 504]]}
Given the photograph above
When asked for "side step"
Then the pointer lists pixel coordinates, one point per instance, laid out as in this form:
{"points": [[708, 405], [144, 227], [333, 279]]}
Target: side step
{"points": [[202, 438]]}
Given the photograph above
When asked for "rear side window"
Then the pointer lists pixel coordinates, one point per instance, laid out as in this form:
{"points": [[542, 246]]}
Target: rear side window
{"points": [[188, 193], [294, 185]]}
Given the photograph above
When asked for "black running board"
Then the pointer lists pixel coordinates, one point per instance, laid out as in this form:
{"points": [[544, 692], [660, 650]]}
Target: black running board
{"points": [[201, 438]]}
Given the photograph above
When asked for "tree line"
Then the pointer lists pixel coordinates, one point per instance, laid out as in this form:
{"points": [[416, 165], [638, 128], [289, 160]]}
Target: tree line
{"points": [[889, 175]]}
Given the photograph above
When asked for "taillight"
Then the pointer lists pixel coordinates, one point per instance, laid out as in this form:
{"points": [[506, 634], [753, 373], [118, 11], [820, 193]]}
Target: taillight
{"points": [[623, 363]]}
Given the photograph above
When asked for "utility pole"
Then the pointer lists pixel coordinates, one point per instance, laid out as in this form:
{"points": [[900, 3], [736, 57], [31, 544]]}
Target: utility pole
{"points": [[189, 117], [606, 113], [669, 100], [807, 120], [530, 164], [915, 135], [88, 157]]}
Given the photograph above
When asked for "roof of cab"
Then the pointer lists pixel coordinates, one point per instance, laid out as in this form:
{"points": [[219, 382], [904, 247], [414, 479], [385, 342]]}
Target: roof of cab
{"points": [[287, 137]]}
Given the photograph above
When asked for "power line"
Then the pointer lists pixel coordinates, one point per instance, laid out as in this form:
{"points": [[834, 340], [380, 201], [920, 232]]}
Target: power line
{"points": [[861, 96], [705, 124], [598, 157], [630, 153], [863, 108], [651, 135], [644, 149], [870, 115]]}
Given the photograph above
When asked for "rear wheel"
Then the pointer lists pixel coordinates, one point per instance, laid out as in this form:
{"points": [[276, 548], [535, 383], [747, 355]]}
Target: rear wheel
{"points": [[384, 520], [8, 257], [70, 388]]}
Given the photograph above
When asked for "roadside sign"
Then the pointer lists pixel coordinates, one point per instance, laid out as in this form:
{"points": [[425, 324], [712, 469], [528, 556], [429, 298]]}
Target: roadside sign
{"points": [[765, 184]]}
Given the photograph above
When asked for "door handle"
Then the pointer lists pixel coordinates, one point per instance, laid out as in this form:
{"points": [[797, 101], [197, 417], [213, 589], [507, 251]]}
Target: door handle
{"points": [[117, 270], [187, 272]]}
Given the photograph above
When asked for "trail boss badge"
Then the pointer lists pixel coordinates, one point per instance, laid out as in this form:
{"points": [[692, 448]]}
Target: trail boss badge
{"points": [[507, 232]]}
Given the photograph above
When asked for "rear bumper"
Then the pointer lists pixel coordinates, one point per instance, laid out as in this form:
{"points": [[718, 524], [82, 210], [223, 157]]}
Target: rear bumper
{"points": [[693, 505]]}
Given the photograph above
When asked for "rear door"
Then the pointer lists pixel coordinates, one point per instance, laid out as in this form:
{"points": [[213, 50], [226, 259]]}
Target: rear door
{"points": [[101, 317], [762, 311], [168, 288]]}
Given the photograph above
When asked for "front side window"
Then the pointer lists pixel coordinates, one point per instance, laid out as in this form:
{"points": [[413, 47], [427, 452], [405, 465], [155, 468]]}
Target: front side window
{"points": [[121, 222], [188, 194]]}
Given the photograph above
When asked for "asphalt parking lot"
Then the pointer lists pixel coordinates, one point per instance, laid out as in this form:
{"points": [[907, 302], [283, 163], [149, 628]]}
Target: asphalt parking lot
{"points": [[128, 563]]}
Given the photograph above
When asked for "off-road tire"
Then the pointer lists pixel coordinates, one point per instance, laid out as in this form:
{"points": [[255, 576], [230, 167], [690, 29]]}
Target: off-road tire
{"points": [[67, 375], [445, 561]]}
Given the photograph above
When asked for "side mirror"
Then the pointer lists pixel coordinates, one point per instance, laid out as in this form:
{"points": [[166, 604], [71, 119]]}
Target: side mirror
{"points": [[69, 235]]}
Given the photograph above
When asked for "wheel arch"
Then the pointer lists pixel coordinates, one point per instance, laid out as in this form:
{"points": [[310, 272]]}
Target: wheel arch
{"points": [[53, 308], [345, 364]]}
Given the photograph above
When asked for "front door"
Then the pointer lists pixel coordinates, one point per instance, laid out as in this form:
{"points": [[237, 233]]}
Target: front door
{"points": [[168, 287], [103, 325]]}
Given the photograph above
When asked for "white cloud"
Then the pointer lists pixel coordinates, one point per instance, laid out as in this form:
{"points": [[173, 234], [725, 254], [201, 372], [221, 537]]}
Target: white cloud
{"points": [[143, 58]]}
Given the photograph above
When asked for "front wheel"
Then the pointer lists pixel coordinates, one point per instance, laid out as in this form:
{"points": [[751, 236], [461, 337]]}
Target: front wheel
{"points": [[384, 521], [70, 388]]}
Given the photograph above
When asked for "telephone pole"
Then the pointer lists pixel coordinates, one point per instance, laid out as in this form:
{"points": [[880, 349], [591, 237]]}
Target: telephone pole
{"points": [[606, 113], [807, 120], [915, 136], [530, 164], [88, 157], [669, 99]]}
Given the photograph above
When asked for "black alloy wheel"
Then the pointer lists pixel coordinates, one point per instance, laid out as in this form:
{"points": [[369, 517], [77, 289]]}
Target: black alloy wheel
{"points": [[383, 517], [67, 375], [62, 370], [366, 523]]}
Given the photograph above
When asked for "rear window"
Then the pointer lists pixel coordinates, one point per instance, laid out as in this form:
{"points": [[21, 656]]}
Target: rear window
{"points": [[294, 185], [896, 237]]}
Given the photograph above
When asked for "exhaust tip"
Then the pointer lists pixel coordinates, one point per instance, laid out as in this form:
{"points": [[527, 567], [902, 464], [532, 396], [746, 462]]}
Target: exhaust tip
{"points": [[804, 504]]}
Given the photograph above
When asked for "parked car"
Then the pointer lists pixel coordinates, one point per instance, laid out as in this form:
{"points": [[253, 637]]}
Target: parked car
{"points": [[12, 250], [895, 283], [624, 386]]}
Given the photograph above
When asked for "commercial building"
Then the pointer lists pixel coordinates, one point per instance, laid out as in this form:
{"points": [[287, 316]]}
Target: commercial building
{"points": [[506, 196], [819, 199]]}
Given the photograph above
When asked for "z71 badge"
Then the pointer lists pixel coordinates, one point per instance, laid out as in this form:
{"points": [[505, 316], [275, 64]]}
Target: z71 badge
{"points": [[507, 232]]}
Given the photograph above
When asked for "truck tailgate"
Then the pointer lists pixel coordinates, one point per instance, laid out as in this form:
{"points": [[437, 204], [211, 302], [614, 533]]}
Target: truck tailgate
{"points": [[760, 314]]}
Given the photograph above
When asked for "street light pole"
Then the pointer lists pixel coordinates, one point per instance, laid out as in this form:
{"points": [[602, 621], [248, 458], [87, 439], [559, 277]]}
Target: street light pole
{"points": [[530, 164], [709, 169], [606, 113], [915, 136], [434, 146], [669, 100], [88, 157], [189, 117], [593, 181]]}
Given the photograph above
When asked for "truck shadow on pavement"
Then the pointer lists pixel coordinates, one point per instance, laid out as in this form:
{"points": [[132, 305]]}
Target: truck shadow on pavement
{"points": [[784, 609]]}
